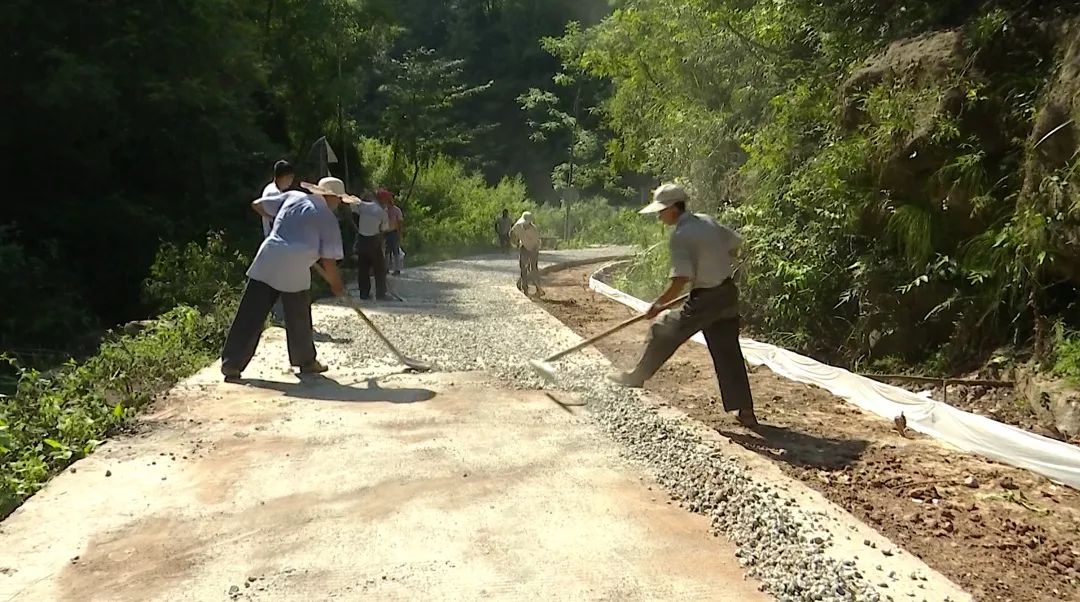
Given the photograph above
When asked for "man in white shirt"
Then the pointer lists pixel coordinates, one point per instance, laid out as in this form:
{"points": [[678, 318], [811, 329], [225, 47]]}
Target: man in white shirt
{"points": [[305, 231], [371, 222], [701, 258], [283, 180], [526, 235]]}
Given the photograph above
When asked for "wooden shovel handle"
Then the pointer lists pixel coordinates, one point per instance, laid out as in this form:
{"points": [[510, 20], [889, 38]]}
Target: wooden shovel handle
{"points": [[612, 330]]}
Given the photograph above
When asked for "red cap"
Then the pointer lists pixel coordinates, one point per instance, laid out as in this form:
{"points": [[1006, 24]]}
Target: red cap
{"points": [[384, 195]]}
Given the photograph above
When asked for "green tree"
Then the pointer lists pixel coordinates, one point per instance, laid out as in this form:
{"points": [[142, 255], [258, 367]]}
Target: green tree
{"points": [[420, 118]]}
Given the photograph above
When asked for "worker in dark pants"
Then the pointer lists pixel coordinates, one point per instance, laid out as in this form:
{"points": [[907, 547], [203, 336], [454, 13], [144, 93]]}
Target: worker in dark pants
{"points": [[371, 223], [701, 255], [305, 231]]}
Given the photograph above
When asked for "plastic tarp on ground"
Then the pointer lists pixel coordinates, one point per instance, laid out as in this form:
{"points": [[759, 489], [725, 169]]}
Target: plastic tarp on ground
{"points": [[969, 432]]}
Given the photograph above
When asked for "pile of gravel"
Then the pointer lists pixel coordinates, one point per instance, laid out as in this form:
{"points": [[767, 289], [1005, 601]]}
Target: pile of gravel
{"points": [[466, 316]]}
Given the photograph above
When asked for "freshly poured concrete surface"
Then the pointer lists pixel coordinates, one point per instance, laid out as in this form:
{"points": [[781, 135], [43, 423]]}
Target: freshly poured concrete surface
{"points": [[367, 485]]}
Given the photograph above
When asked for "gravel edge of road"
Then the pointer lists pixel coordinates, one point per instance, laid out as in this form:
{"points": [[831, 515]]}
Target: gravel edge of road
{"points": [[792, 550]]}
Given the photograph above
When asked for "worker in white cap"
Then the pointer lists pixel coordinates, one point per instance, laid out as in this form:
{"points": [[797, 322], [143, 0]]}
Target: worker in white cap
{"points": [[526, 236], [702, 253]]}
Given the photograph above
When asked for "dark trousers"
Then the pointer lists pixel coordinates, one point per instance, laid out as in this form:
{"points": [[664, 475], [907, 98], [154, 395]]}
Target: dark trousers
{"points": [[392, 244], [370, 261], [715, 312], [528, 264], [504, 242], [247, 326]]}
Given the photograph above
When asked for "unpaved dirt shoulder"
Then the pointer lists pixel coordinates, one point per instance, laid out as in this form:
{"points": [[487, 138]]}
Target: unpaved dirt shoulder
{"points": [[1005, 535]]}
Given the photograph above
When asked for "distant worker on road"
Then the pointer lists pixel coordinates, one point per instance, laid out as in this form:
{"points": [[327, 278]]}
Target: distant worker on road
{"points": [[371, 223], [526, 236], [503, 223], [284, 174], [395, 230], [305, 231], [702, 253]]}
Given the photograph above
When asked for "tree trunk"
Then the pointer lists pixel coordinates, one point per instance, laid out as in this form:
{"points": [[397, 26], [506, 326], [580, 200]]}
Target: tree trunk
{"points": [[412, 185]]}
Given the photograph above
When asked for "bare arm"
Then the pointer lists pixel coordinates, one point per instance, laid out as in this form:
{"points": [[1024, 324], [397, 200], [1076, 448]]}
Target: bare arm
{"points": [[257, 207], [332, 276]]}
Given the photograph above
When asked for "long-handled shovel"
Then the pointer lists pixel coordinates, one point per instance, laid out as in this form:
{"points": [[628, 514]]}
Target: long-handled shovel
{"points": [[545, 368], [417, 365]]}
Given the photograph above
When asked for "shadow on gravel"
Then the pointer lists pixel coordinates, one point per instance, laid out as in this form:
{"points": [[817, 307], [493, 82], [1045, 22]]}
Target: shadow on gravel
{"points": [[322, 388], [322, 337], [800, 449]]}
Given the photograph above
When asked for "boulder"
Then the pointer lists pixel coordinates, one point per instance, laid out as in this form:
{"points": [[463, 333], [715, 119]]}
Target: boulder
{"points": [[1056, 402]]}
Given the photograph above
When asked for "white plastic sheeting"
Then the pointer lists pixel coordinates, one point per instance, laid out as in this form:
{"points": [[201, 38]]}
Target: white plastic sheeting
{"points": [[969, 432]]}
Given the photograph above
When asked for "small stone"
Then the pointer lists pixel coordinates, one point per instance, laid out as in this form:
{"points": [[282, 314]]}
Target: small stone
{"points": [[1007, 483], [233, 590], [108, 473], [971, 481]]}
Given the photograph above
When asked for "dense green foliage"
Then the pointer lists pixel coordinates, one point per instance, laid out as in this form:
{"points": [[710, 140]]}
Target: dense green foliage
{"points": [[54, 418], [883, 180], [139, 123], [452, 211]]}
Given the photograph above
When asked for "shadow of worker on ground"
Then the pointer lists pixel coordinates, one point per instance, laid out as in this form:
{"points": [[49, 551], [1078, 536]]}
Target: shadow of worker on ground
{"points": [[321, 388], [799, 449]]}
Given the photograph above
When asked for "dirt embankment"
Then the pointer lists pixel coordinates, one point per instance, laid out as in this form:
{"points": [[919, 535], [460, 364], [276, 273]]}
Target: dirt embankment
{"points": [[1000, 532]]}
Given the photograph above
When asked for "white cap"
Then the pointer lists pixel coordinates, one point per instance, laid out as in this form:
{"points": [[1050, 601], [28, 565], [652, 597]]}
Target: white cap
{"points": [[665, 196]]}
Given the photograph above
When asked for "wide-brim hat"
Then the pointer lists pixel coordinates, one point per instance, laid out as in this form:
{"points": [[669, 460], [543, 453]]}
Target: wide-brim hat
{"points": [[665, 196], [331, 187]]}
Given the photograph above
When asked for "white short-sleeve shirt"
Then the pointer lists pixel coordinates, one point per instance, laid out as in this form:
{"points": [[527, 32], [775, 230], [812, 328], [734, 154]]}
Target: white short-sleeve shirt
{"points": [[305, 230], [271, 189]]}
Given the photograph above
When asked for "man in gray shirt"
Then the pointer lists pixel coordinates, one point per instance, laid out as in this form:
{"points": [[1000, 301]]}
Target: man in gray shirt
{"points": [[371, 223], [701, 256]]}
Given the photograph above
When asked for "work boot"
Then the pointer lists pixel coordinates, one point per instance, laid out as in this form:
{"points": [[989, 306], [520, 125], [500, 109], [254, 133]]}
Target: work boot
{"points": [[747, 418], [315, 367], [230, 375], [626, 379]]}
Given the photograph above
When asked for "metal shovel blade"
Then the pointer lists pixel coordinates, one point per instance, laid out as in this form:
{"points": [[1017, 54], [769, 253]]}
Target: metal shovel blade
{"points": [[544, 369], [415, 365]]}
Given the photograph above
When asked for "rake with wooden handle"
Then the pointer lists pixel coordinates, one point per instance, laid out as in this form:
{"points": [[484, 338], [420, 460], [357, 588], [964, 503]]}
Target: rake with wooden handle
{"points": [[414, 364], [545, 368]]}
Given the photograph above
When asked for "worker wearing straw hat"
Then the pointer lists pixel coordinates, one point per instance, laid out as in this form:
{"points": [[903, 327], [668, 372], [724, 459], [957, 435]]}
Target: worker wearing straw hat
{"points": [[701, 256], [305, 231]]}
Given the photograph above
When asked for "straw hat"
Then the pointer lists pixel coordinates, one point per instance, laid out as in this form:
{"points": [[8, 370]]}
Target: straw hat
{"points": [[331, 187]]}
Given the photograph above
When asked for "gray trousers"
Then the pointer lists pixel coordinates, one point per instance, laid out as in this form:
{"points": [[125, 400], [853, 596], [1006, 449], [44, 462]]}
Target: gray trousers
{"points": [[247, 326], [715, 312]]}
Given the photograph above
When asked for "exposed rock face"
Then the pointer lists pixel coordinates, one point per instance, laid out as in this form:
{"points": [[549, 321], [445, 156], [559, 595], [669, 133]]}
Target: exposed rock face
{"points": [[1052, 147], [1055, 402]]}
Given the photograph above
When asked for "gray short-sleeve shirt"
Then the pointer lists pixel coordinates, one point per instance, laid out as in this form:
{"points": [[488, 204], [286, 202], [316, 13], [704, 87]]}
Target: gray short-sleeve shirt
{"points": [[305, 230], [701, 250]]}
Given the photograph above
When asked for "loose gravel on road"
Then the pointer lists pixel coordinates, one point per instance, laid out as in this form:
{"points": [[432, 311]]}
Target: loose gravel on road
{"points": [[467, 315]]}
